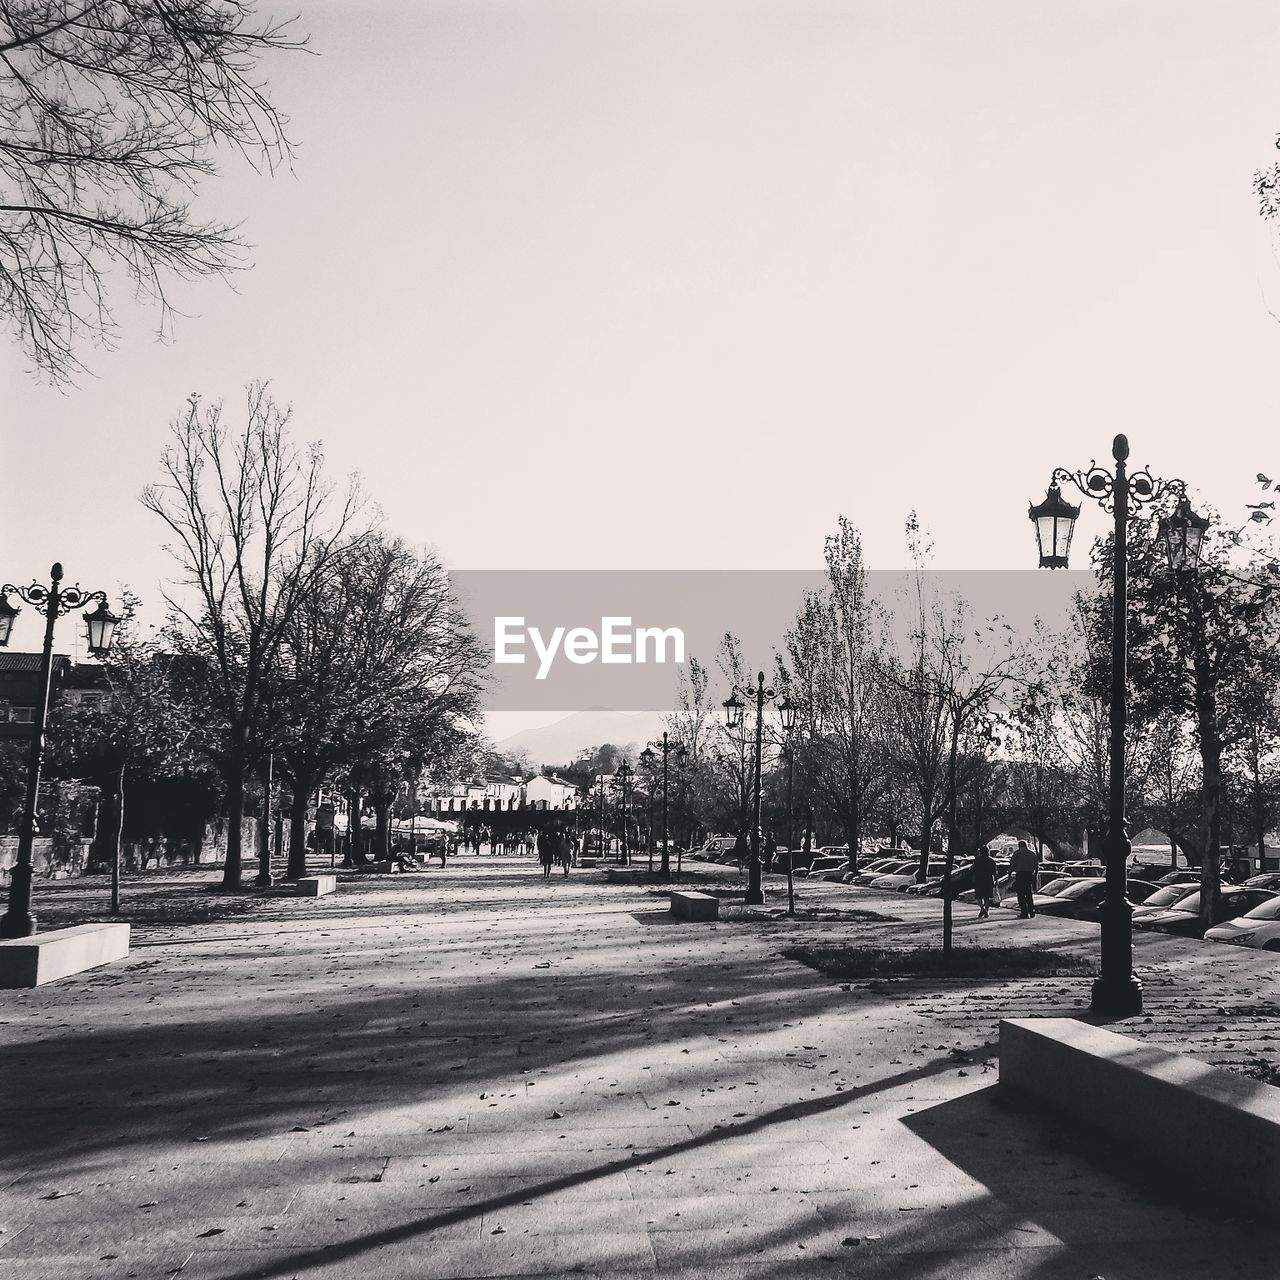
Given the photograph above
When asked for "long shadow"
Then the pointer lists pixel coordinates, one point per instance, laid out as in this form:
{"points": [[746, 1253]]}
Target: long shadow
{"points": [[1086, 1189], [360, 1244], [75, 1090]]}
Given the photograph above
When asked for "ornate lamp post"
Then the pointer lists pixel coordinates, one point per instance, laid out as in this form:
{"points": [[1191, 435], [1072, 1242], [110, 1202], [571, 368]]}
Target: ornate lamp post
{"points": [[622, 779], [52, 601], [1117, 992], [733, 709], [666, 746]]}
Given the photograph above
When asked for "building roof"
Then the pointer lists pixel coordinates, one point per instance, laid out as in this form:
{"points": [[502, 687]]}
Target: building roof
{"points": [[27, 663]]}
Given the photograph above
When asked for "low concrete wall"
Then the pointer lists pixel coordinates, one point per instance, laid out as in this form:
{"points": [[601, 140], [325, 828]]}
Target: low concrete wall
{"points": [[1182, 1120], [690, 905], [45, 957], [316, 886]]}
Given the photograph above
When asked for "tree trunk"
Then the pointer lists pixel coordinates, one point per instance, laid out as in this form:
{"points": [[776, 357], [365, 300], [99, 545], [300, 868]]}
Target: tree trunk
{"points": [[235, 816], [297, 867], [355, 833], [382, 832], [1210, 819], [117, 832]]}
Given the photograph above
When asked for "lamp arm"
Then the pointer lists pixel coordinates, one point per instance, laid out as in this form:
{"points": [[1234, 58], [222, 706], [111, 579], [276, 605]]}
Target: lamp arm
{"points": [[1100, 484], [63, 600]]}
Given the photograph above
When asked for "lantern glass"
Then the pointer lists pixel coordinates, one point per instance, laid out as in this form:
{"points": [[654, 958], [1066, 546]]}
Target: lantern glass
{"points": [[787, 712], [1055, 521], [733, 708], [1183, 533], [7, 615], [101, 624]]}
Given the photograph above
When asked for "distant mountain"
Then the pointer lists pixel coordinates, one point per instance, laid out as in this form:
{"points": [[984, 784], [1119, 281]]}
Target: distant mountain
{"points": [[560, 742]]}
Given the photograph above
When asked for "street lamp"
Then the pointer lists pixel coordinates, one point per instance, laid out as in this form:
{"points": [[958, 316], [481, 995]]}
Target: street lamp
{"points": [[1117, 992], [733, 709], [621, 779], [52, 601], [666, 746]]}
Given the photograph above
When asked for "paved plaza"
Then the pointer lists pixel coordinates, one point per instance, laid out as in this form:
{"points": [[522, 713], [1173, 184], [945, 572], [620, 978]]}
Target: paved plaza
{"points": [[471, 1072]]}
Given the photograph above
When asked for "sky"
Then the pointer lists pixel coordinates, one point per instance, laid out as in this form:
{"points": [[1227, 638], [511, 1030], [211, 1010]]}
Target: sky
{"points": [[674, 283]]}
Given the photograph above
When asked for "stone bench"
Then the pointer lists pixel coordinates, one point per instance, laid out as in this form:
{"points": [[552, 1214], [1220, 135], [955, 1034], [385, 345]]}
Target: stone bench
{"points": [[45, 957], [689, 905], [316, 886], [588, 861], [1180, 1119]]}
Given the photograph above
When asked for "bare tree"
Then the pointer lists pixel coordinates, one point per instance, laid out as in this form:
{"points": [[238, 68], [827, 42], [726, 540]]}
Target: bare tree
{"points": [[832, 670], [257, 529], [380, 670], [110, 112]]}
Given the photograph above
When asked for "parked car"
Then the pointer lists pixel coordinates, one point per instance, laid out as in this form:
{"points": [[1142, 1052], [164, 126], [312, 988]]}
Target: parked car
{"points": [[1258, 927], [1051, 892], [1083, 900], [1184, 917], [715, 848], [1088, 869], [1165, 896], [907, 876], [1179, 877], [881, 867], [828, 862], [961, 879], [1267, 880]]}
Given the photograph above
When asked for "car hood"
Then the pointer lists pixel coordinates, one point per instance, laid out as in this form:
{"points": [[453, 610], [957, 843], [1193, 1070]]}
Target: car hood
{"points": [[1169, 917]]}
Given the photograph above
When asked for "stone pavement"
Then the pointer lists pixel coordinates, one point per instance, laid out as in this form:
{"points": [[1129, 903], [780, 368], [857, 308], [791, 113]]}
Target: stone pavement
{"points": [[476, 1073]]}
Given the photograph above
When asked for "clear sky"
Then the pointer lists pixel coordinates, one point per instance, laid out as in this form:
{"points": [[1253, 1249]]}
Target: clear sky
{"points": [[659, 283]]}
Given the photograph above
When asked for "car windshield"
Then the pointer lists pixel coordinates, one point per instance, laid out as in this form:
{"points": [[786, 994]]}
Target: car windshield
{"points": [[1170, 894], [897, 868], [1265, 911], [1057, 886], [1080, 887], [1190, 903]]}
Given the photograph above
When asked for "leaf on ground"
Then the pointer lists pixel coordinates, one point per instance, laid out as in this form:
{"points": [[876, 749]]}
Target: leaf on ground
{"points": [[213, 1231]]}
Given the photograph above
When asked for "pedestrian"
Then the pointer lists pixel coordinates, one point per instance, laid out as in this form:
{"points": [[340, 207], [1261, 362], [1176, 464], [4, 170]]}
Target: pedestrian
{"points": [[546, 852], [564, 851], [984, 881], [740, 850], [770, 851], [1025, 863]]}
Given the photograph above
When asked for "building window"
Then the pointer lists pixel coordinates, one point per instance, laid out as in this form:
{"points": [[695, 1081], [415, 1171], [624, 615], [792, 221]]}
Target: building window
{"points": [[22, 715]]}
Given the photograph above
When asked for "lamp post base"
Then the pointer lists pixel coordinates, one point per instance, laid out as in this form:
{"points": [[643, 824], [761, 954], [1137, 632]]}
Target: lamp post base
{"points": [[1113, 999], [17, 921]]}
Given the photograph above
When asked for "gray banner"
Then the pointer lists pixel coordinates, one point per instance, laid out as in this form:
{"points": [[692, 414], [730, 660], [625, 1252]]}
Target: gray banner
{"points": [[566, 640]]}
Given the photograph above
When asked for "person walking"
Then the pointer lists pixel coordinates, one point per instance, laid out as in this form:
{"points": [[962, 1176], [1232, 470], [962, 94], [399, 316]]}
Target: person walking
{"points": [[741, 850], [1025, 864], [546, 852], [770, 851], [984, 881], [564, 852]]}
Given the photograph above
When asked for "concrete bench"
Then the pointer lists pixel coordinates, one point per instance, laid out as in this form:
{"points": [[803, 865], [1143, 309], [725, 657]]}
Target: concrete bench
{"points": [[1180, 1119], [316, 886], [586, 861], [45, 957], [689, 905], [384, 868]]}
